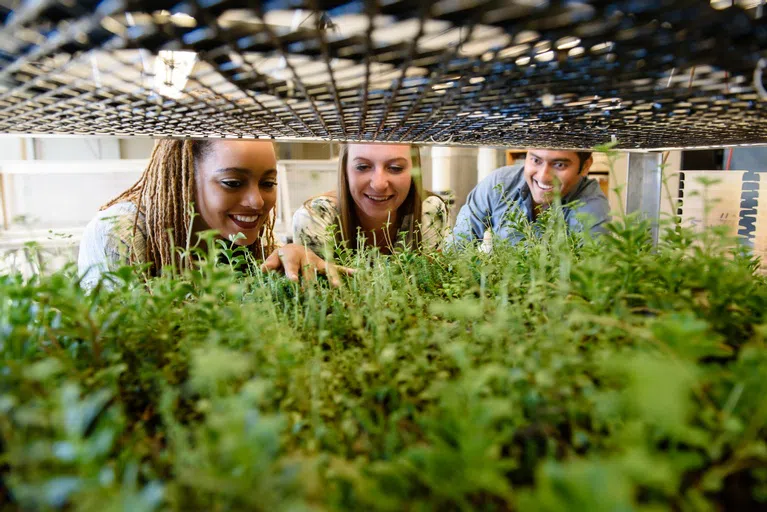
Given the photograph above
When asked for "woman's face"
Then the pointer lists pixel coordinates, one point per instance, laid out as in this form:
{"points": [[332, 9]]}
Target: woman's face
{"points": [[236, 187], [379, 177]]}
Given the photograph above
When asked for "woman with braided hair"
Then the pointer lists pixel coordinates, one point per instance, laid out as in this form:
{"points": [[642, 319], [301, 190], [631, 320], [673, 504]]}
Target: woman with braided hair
{"points": [[233, 186]]}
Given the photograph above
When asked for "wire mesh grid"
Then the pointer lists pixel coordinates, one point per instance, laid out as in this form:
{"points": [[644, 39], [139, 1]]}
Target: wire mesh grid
{"points": [[649, 74]]}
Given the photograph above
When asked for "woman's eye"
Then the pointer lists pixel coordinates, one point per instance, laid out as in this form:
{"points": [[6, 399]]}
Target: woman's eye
{"points": [[231, 183], [269, 184], [396, 168], [362, 167]]}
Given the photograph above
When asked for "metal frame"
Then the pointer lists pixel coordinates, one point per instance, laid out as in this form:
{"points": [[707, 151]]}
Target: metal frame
{"points": [[481, 72]]}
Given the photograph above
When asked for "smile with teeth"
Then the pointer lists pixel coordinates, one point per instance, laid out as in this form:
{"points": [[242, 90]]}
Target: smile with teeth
{"points": [[543, 187], [245, 218], [245, 221], [378, 199]]}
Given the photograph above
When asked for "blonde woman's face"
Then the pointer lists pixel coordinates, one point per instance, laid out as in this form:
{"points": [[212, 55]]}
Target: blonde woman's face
{"points": [[236, 184], [379, 177]]}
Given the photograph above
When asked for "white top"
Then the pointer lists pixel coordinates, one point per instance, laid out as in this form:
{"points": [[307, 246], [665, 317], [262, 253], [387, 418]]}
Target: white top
{"points": [[108, 241], [311, 224]]}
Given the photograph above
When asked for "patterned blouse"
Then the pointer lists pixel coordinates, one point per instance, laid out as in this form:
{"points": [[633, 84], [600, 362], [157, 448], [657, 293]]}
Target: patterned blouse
{"points": [[312, 224]]}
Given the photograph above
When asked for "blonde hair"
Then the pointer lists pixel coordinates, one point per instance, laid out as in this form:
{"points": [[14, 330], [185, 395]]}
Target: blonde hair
{"points": [[348, 219], [164, 194]]}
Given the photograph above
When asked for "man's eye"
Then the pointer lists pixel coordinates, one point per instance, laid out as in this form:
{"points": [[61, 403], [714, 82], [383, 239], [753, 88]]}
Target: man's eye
{"points": [[231, 183]]}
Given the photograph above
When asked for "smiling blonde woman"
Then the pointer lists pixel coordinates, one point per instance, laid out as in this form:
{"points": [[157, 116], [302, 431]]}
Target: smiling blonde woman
{"points": [[381, 204]]}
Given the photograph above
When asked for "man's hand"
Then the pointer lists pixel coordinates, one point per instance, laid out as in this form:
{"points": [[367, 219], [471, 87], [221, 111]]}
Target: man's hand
{"points": [[293, 258]]}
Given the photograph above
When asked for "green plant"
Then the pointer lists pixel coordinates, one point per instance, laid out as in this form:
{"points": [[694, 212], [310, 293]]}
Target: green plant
{"points": [[561, 373]]}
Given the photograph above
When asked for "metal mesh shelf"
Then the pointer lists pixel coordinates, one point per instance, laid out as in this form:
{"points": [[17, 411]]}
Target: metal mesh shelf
{"points": [[649, 74]]}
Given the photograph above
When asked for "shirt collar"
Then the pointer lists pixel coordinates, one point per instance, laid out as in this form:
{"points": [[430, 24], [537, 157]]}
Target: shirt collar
{"points": [[574, 192]]}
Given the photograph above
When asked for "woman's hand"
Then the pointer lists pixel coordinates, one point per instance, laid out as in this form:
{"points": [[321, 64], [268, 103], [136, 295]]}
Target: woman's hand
{"points": [[292, 258]]}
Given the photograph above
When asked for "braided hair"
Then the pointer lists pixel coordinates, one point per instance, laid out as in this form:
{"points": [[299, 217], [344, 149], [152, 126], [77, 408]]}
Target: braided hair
{"points": [[164, 195]]}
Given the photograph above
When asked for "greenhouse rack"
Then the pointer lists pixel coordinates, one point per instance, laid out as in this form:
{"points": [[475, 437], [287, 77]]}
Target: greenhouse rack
{"points": [[644, 75]]}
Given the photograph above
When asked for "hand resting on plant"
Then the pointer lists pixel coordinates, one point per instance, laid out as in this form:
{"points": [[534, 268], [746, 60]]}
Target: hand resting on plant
{"points": [[292, 257]]}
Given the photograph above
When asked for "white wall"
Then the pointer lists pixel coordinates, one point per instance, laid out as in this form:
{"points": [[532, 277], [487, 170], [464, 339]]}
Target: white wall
{"points": [[76, 148], [137, 147], [62, 194], [11, 148], [69, 179]]}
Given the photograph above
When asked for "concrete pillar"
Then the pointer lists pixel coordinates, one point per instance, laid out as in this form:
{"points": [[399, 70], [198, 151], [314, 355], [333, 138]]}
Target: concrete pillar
{"points": [[488, 160], [441, 173], [453, 175]]}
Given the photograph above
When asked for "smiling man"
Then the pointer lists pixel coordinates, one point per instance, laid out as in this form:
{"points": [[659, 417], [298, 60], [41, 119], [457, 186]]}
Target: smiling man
{"points": [[530, 189]]}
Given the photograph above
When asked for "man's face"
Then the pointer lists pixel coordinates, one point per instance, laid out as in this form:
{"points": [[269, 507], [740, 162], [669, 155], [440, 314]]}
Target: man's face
{"points": [[549, 170]]}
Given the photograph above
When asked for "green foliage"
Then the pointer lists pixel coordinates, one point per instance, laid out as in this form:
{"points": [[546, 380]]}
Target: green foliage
{"points": [[560, 374]]}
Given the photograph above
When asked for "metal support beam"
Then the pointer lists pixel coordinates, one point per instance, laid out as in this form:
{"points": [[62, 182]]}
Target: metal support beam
{"points": [[643, 187]]}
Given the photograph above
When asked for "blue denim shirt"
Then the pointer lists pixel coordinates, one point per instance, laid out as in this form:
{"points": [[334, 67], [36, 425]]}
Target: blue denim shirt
{"points": [[489, 203]]}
